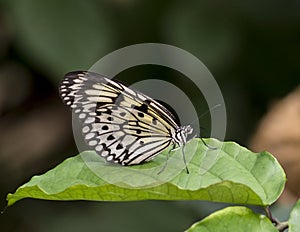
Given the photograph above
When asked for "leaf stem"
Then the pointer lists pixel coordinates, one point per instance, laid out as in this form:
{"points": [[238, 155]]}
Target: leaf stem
{"points": [[281, 226]]}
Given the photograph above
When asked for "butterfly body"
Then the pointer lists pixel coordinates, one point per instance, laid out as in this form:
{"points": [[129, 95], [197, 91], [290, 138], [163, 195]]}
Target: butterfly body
{"points": [[122, 125]]}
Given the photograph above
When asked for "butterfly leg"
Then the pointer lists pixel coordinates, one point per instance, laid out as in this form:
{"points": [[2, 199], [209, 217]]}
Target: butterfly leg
{"points": [[184, 160], [208, 146], [168, 155]]}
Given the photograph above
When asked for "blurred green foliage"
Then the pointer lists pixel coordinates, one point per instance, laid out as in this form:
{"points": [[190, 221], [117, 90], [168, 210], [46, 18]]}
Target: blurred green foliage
{"points": [[57, 36], [251, 47]]}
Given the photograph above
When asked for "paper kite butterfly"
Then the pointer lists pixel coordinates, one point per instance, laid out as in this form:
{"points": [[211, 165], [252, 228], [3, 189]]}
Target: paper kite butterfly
{"points": [[122, 125]]}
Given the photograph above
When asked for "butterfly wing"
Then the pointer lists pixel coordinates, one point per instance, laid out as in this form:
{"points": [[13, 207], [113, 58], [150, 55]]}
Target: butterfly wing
{"points": [[120, 124]]}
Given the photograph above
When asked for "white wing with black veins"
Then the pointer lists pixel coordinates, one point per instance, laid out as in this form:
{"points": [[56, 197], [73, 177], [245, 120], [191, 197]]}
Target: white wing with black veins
{"points": [[120, 124]]}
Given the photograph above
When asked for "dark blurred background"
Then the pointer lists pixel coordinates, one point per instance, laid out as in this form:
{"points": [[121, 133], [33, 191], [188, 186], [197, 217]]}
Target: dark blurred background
{"points": [[251, 47]]}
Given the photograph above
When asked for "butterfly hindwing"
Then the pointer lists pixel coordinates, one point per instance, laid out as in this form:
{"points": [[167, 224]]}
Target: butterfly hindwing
{"points": [[120, 124]]}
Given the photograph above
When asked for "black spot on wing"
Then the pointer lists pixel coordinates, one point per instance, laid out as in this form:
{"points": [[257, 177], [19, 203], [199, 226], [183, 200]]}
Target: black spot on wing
{"points": [[143, 108], [141, 115], [110, 137], [105, 127], [119, 146], [122, 114]]}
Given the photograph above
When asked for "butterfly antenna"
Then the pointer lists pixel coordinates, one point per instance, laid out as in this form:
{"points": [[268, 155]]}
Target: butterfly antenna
{"points": [[184, 160], [210, 109], [206, 112]]}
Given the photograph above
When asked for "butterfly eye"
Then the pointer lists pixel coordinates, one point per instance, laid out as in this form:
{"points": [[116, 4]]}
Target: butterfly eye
{"points": [[189, 129]]}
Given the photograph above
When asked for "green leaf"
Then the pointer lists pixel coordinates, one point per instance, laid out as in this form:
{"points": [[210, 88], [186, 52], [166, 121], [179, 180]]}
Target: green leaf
{"points": [[229, 173], [234, 219], [294, 220]]}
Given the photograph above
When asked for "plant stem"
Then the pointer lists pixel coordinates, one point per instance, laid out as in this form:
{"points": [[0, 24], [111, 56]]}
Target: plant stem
{"points": [[281, 226]]}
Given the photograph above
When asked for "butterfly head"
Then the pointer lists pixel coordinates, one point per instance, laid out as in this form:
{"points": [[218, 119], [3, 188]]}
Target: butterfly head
{"points": [[187, 130], [181, 134]]}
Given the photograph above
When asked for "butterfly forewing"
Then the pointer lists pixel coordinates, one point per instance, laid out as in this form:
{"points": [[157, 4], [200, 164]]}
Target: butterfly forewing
{"points": [[120, 124]]}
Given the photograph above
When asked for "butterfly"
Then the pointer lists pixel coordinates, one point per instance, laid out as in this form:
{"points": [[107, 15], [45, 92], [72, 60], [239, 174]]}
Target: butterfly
{"points": [[122, 125]]}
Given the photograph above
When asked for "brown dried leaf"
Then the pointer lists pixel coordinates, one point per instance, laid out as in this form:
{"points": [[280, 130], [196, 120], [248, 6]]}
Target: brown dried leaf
{"points": [[279, 133]]}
